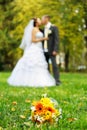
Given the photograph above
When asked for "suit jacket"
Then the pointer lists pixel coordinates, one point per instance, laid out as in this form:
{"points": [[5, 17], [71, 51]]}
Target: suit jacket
{"points": [[53, 42]]}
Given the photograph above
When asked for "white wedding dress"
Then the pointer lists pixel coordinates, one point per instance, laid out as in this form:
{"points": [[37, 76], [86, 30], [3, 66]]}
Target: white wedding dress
{"points": [[32, 69]]}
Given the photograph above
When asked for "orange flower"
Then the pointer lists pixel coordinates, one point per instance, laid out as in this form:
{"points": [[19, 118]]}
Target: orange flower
{"points": [[51, 109], [71, 119], [14, 103], [39, 107]]}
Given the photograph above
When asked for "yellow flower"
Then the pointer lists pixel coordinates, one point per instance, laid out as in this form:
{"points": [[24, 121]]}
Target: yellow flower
{"points": [[13, 109], [22, 117], [46, 102], [27, 123], [27, 101], [34, 103], [58, 113], [47, 115], [1, 128]]}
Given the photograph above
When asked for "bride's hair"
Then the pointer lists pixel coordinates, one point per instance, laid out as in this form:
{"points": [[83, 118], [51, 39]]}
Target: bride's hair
{"points": [[35, 21]]}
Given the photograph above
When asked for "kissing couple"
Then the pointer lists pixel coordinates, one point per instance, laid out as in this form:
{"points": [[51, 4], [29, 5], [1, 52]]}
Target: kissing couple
{"points": [[39, 46]]}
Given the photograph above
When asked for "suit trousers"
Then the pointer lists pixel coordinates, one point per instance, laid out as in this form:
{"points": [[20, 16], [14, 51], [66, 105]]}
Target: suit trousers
{"points": [[54, 66]]}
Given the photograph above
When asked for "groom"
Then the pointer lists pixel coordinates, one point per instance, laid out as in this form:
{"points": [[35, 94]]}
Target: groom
{"points": [[52, 45]]}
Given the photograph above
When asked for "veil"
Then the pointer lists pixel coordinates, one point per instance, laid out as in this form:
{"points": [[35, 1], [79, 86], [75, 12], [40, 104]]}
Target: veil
{"points": [[27, 37]]}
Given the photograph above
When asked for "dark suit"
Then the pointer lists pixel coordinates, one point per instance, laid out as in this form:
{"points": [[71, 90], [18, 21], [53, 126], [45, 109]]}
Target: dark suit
{"points": [[53, 45]]}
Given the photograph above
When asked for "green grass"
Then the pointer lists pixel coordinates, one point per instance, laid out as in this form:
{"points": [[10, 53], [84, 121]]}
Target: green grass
{"points": [[71, 96]]}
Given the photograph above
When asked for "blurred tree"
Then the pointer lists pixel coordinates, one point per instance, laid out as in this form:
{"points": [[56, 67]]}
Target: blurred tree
{"points": [[68, 15], [4, 29], [85, 26], [14, 17]]}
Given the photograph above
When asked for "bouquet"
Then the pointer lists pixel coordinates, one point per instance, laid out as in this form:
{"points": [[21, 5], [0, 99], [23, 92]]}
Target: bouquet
{"points": [[45, 111]]}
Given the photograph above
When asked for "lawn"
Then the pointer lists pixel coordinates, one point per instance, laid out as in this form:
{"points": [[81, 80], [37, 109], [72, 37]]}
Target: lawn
{"points": [[71, 96]]}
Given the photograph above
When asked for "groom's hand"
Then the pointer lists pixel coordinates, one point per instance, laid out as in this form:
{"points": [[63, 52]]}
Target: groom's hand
{"points": [[54, 53]]}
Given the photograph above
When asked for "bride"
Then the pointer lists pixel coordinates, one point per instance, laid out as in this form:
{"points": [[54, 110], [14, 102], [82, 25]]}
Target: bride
{"points": [[32, 70]]}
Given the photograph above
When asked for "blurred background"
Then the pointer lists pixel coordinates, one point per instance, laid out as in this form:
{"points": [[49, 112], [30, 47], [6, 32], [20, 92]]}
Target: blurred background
{"points": [[69, 15]]}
